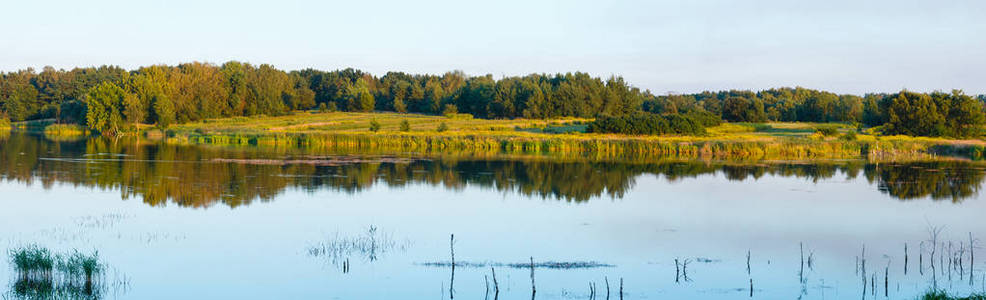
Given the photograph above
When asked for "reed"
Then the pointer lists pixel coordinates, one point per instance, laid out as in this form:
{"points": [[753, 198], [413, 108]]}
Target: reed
{"points": [[65, 130], [418, 133]]}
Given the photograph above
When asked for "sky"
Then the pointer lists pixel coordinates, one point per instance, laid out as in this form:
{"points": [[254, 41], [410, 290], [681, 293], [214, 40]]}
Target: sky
{"points": [[679, 46]]}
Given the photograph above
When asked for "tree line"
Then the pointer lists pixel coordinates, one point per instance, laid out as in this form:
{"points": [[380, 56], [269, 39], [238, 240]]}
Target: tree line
{"points": [[937, 113], [110, 99]]}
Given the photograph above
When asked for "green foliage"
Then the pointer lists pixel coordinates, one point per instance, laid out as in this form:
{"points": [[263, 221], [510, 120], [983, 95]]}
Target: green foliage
{"points": [[105, 103], [405, 125], [450, 110], [848, 136], [827, 130], [647, 124], [442, 127], [191, 92], [374, 125], [935, 114], [322, 108], [4, 121], [705, 118], [942, 295]]}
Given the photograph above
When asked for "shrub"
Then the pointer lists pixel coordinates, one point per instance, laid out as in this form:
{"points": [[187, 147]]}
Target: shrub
{"points": [[827, 130], [374, 125], [405, 125], [849, 136], [4, 121], [332, 107], [323, 107], [442, 127], [450, 110], [705, 118], [760, 127], [647, 124]]}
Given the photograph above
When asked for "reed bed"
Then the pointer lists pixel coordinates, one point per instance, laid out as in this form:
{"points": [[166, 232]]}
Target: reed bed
{"points": [[43, 274]]}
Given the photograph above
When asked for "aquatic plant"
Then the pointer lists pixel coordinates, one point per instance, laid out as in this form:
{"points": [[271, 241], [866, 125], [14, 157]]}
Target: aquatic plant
{"points": [[64, 130], [32, 262], [45, 275], [942, 295], [369, 245]]}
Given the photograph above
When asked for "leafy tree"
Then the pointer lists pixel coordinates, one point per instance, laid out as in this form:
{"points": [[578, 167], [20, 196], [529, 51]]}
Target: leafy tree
{"points": [[105, 104], [358, 97]]}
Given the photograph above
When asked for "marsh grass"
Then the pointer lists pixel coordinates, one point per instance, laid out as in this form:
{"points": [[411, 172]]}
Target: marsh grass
{"points": [[344, 131], [45, 275], [942, 295], [33, 262], [369, 246], [65, 130]]}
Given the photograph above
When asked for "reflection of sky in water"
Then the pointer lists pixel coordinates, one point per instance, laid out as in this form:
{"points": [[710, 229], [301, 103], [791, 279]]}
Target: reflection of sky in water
{"points": [[259, 251]]}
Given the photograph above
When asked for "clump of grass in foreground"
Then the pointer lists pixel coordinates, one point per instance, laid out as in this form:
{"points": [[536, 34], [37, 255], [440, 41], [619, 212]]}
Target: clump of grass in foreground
{"points": [[45, 275], [33, 262], [942, 295]]}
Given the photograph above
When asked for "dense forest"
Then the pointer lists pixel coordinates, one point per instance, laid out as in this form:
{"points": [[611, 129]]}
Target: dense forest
{"points": [[110, 99]]}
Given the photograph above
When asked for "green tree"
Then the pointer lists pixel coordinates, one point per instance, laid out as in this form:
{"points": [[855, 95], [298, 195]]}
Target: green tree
{"points": [[405, 125], [105, 106], [359, 98], [374, 125], [442, 127]]}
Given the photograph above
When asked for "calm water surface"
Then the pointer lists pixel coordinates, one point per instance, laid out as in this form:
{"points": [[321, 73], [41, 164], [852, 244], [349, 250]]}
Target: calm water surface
{"points": [[197, 222]]}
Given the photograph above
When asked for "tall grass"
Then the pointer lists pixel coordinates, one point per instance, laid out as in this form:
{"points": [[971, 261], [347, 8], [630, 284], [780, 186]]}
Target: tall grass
{"points": [[33, 262], [942, 295], [65, 130], [45, 275], [436, 134]]}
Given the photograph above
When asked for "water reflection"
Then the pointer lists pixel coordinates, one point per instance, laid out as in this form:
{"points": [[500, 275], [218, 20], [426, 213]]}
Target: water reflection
{"points": [[198, 176]]}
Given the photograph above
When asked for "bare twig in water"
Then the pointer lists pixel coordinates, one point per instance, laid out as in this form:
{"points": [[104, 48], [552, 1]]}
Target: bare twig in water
{"points": [[451, 285], [621, 288], [607, 287], [533, 289], [905, 258], [496, 286]]}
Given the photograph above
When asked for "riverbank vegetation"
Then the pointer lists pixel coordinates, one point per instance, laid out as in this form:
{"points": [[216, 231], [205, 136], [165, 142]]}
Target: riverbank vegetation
{"points": [[343, 131], [110, 100]]}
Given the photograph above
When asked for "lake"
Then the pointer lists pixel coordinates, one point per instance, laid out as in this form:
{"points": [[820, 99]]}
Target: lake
{"points": [[198, 222]]}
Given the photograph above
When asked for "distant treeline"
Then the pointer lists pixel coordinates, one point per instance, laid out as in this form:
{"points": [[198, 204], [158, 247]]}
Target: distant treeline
{"points": [[908, 113], [110, 99]]}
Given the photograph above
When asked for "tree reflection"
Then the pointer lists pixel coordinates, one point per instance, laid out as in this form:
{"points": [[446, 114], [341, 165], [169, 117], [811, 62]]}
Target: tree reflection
{"points": [[160, 174]]}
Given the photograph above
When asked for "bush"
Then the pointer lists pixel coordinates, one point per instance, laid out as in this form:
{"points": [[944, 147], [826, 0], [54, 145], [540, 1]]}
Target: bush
{"points": [[442, 127], [332, 107], [374, 125], [4, 121], [705, 118], [450, 110], [849, 136], [760, 127], [323, 107], [405, 125], [827, 130], [647, 124]]}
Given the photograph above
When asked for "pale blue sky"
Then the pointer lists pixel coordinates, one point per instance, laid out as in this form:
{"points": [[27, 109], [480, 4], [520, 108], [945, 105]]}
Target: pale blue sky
{"points": [[850, 46]]}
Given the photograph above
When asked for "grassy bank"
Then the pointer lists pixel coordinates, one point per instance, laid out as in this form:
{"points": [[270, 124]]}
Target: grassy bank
{"points": [[351, 132]]}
